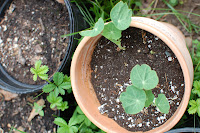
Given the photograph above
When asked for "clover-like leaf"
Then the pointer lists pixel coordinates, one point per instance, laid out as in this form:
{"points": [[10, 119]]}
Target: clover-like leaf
{"points": [[149, 98], [111, 32], [97, 29], [64, 105], [41, 113], [58, 78], [133, 100], [196, 89], [48, 88], [39, 71], [162, 103], [60, 122], [121, 15], [143, 77], [65, 85]]}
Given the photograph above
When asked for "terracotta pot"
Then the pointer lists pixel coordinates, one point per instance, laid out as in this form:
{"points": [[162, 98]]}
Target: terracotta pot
{"points": [[81, 74]]}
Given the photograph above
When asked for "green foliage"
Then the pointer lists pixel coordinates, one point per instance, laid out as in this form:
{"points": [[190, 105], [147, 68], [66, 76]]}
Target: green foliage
{"points": [[139, 95], [149, 98], [121, 19], [162, 103], [77, 123], [173, 2], [196, 88], [38, 109], [39, 71], [194, 103], [60, 84], [97, 29], [194, 107], [54, 100], [133, 100], [143, 77], [121, 16]]}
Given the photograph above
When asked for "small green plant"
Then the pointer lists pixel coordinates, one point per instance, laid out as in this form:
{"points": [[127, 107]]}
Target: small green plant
{"points": [[173, 2], [77, 123], [60, 84], [121, 18], [139, 94], [38, 109]]}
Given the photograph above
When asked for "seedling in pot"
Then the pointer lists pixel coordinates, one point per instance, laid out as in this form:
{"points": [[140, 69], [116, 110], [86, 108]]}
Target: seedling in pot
{"points": [[121, 18], [139, 94]]}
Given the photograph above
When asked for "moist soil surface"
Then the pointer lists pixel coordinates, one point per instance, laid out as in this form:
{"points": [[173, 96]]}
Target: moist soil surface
{"points": [[32, 31], [111, 75], [15, 114]]}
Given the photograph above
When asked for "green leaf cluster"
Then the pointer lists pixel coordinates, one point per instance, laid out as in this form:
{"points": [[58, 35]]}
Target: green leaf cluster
{"points": [[194, 103], [77, 123], [121, 18], [139, 95], [40, 71], [194, 107], [60, 84], [38, 109]]}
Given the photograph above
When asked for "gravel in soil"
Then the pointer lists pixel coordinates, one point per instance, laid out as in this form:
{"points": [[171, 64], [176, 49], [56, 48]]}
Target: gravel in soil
{"points": [[32, 31], [111, 75], [15, 114]]}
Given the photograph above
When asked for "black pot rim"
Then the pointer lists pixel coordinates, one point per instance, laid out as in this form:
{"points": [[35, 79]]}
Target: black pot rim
{"points": [[8, 83]]}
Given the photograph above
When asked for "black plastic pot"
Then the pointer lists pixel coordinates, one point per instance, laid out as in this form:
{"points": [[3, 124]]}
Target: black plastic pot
{"points": [[185, 130], [77, 23]]}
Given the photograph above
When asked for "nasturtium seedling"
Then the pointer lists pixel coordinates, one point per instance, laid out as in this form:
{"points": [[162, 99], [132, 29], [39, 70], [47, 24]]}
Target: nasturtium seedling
{"points": [[149, 98], [111, 32], [121, 15], [97, 29], [121, 19], [133, 100], [139, 94], [143, 77], [162, 103]]}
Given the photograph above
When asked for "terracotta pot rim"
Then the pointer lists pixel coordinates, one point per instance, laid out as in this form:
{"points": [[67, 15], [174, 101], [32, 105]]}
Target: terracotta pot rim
{"points": [[188, 82]]}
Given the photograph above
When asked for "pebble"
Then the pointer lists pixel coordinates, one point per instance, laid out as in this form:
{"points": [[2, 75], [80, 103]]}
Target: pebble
{"points": [[38, 49], [169, 58], [1, 41]]}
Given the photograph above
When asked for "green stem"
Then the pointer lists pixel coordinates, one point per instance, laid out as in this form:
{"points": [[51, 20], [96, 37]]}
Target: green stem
{"points": [[197, 66], [38, 95], [80, 125]]}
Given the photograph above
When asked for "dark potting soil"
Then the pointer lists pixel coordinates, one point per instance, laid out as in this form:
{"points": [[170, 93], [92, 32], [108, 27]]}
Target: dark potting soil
{"points": [[32, 31], [111, 75], [15, 113]]}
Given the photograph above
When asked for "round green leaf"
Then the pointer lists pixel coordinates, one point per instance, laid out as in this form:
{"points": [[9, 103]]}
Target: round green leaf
{"points": [[162, 103], [143, 77], [111, 32], [133, 100], [97, 29], [121, 15], [150, 96]]}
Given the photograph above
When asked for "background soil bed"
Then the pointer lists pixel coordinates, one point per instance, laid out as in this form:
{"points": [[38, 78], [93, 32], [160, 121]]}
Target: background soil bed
{"points": [[111, 73], [15, 113], [31, 31]]}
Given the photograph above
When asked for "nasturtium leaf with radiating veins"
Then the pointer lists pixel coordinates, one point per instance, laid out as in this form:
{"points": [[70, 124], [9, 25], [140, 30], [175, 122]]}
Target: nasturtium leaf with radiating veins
{"points": [[121, 15], [133, 100], [97, 29], [149, 98], [143, 77], [111, 32], [162, 103]]}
